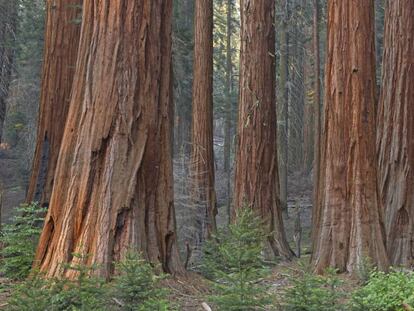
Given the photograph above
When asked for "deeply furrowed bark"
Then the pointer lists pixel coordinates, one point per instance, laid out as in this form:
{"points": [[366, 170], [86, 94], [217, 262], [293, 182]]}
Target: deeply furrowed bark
{"points": [[396, 132], [256, 176], [202, 154], [113, 183], [349, 225], [62, 34]]}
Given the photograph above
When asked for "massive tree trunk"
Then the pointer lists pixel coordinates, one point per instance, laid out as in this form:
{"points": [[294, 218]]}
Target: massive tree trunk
{"points": [[202, 153], [256, 177], [8, 21], [61, 49], [349, 228], [113, 183], [396, 132]]}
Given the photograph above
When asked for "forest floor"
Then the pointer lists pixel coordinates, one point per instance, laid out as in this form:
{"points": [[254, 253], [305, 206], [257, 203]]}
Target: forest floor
{"points": [[11, 191], [189, 292]]}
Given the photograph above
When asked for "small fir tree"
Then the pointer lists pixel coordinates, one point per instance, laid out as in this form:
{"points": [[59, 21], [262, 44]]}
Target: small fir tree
{"points": [[234, 261]]}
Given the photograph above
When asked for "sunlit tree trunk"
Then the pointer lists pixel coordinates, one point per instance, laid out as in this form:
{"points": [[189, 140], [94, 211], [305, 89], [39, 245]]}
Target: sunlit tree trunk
{"points": [[8, 22], [113, 187], [62, 33], [396, 132], [349, 229], [202, 154], [256, 176]]}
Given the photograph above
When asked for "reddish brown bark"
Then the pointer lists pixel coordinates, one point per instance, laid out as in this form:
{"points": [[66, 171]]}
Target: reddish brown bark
{"points": [[202, 154], [61, 49], [113, 183], [256, 176], [349, 227], [396, 132]]}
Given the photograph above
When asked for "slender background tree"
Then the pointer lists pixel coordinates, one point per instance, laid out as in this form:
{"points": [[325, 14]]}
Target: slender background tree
{"points": [[256, 176]]}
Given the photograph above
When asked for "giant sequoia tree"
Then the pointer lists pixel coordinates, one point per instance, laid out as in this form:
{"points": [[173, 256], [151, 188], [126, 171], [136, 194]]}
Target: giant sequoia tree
{"points": [[256, 177], [8, 21], [348, 225], [202, 154], [396, 131], [61, 46], [113, 181]]}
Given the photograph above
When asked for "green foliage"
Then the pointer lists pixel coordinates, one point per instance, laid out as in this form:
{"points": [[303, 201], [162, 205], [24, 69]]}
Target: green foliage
{"points": [[86, 293], [32, 295], [385, 292], [15, 126], [310, 292], [137, 285], [19, 240], [365, 268], [233, 260]]}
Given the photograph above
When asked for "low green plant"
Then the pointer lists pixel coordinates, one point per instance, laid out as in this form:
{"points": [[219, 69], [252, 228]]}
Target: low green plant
{"points": [[34, 294], [233, 261], [19, 240], [86, 292], [364, 270], [137, 286], [393, 291], [310, 292]]}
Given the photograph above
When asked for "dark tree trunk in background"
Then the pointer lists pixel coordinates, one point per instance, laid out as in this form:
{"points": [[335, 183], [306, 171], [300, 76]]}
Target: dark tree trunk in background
{"points": [[229, 73], [61, 49], [297, 93], [396, 132], [8, 22], [113, 186], [349, 225], [228, 141], [256, 176], [283, 111], [183, 64], [317, 116], [202, 153]]}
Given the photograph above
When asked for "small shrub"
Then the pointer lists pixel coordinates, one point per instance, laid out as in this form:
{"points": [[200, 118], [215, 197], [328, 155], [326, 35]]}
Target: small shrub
{"points": [[36, 293], [310, 292], [85, 292], [365, 268], [385, 292], [19, 240], [137, 285], [233, 260]]}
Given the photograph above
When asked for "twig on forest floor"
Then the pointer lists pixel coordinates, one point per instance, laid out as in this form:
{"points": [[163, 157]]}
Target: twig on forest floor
{"points": [[407, 307], [206, 307], [119, 303]]}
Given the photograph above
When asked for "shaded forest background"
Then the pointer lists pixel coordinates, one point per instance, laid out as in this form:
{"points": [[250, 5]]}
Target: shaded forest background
{"points": [[295, 60]]}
